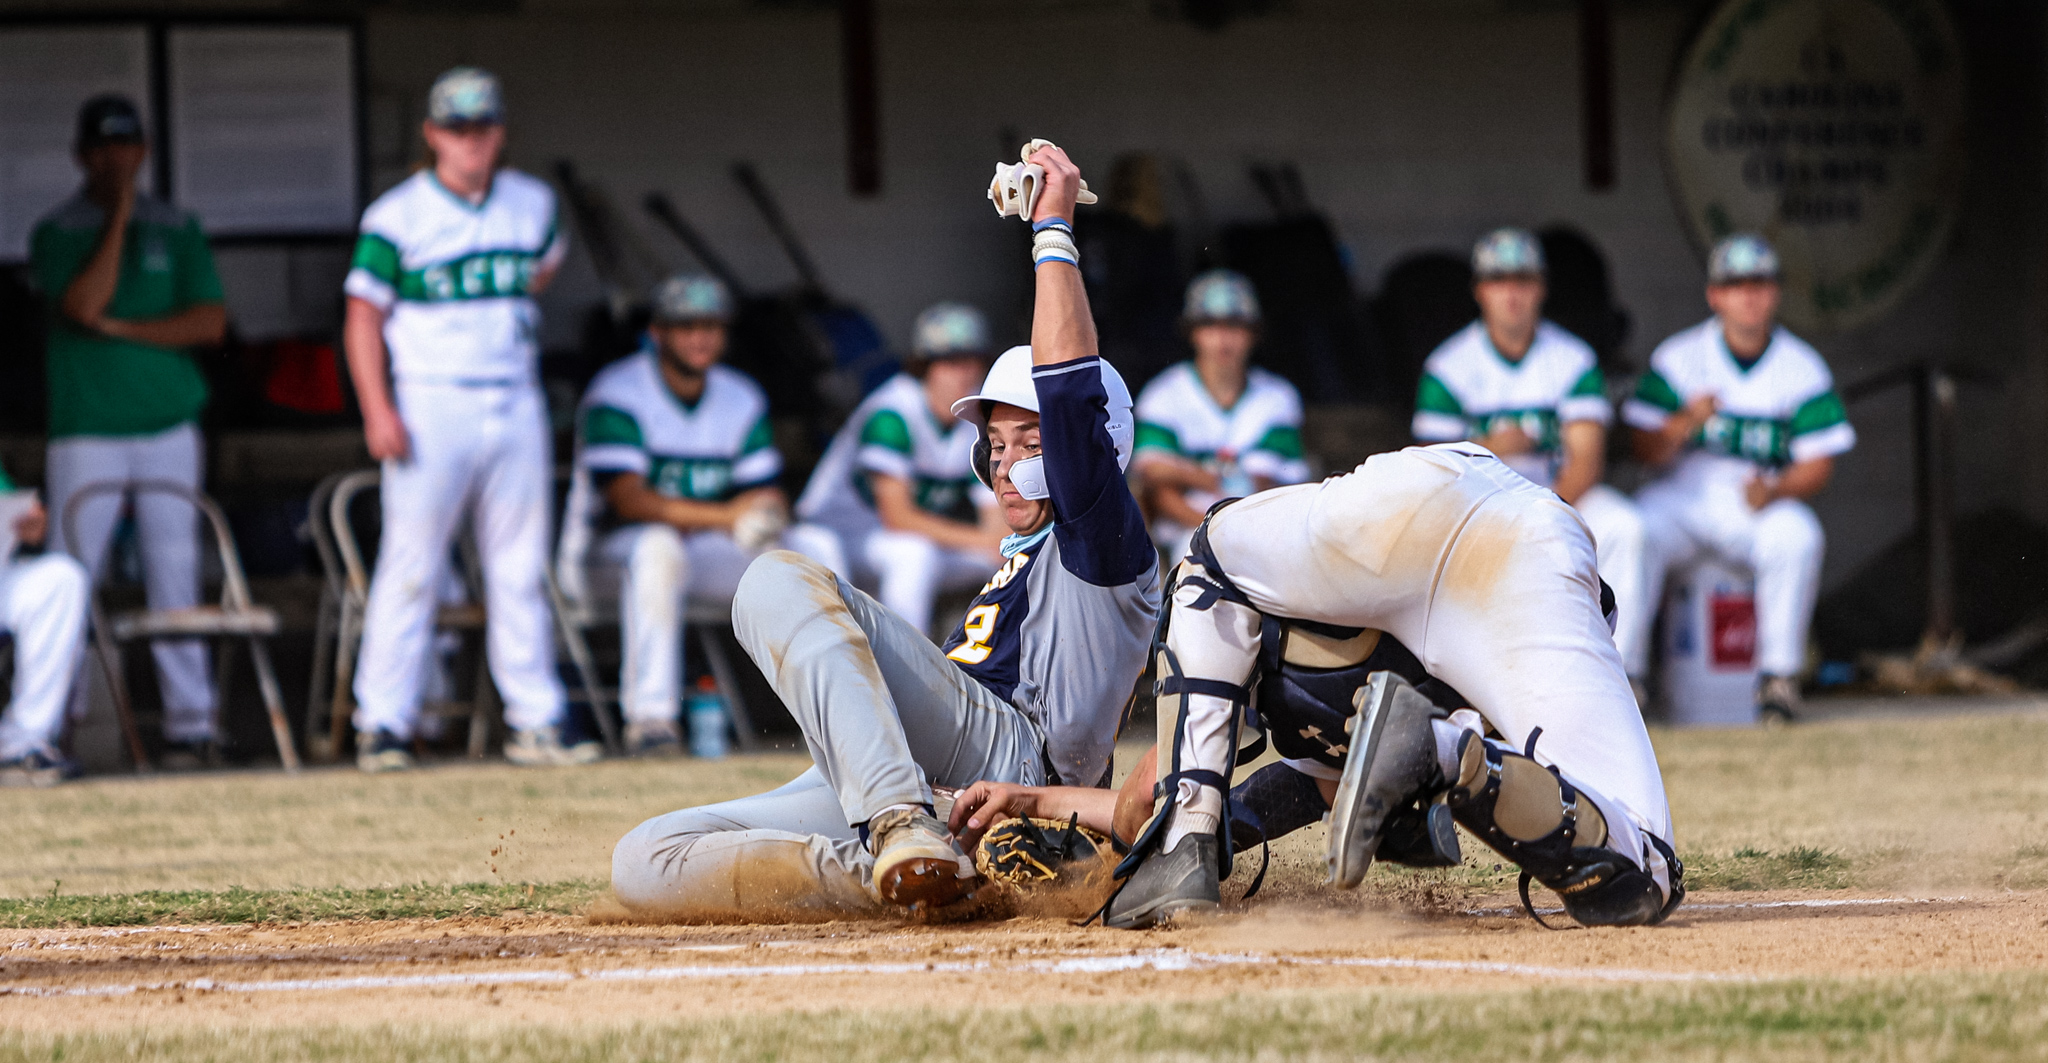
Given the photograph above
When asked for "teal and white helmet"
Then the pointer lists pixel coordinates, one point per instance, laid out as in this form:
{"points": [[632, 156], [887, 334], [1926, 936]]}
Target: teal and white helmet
{"points": [[1221, 296], [1507, 253], [949, 330], [465, 94], [1742, 257], [691, 297]]}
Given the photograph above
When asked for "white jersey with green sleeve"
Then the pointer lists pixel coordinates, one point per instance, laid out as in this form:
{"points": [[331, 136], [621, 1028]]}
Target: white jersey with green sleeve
{"points": [[1470, 389], [707, 451], [893, 432], [455, 277], [1260, 433], [1780, 409]]}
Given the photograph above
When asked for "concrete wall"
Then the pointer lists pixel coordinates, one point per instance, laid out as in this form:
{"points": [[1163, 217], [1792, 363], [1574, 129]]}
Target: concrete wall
{"points": [[1416, 125]]}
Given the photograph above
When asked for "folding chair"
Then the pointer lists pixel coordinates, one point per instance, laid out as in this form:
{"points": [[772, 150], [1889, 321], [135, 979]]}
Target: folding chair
{"points": [[236, 617], [467, 618]]}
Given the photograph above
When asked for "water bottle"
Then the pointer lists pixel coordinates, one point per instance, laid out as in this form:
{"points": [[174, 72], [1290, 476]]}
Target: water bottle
{"points": [[708, 720]]}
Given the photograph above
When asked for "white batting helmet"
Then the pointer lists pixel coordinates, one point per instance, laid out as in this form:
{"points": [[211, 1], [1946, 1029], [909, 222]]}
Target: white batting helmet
{"points": [[1009, 381]]}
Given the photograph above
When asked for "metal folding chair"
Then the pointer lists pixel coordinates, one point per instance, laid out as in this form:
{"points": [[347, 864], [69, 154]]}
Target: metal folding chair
{"points": [[236, 617], [467, 618]]}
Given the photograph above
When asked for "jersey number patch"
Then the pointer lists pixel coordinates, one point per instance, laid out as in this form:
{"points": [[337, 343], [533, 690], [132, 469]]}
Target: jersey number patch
{"points": [[979, 627]]}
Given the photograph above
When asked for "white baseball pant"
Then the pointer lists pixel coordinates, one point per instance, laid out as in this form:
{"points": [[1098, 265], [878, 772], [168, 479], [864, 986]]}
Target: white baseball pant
{"points": [[167, 531], [1618, 538], [43, 605], [911, 572], [1489, 579], [480, 451], [885, 715], [1703, 508], [656, 570]]}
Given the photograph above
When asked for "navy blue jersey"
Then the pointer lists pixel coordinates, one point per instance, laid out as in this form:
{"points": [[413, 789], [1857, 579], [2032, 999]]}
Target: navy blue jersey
{"points": [[1061, 630]]}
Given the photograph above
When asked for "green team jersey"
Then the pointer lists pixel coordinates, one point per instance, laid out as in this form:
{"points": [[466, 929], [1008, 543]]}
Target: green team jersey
{"points": [[102, 386]]}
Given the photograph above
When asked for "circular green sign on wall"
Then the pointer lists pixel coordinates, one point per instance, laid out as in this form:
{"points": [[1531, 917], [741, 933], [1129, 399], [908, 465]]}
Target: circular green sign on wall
{"points": [[1832, 127]]}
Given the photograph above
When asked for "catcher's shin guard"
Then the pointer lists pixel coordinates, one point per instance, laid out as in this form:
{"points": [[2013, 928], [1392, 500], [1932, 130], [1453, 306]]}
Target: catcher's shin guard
{"points": [[1391, 764], [1531, 815]]}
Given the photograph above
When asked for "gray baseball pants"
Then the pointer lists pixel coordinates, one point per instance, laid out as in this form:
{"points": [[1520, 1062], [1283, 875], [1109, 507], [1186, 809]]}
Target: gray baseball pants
{"points": [[886, 716]]}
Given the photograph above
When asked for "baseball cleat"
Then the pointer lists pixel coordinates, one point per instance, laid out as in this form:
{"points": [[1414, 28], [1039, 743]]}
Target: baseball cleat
{"points": [[1777, 699], [38, 767], [1184, 880], [916, 862], [382, 751], [654, 738], [1392, 761], [542, 747]]}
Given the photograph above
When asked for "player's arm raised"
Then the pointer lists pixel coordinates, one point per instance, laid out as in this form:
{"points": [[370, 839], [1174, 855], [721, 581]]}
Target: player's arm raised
{"points": [[1061, 327]]}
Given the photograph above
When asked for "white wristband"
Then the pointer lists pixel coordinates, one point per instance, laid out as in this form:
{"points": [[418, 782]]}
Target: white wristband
{"points": [[1054, 245]]}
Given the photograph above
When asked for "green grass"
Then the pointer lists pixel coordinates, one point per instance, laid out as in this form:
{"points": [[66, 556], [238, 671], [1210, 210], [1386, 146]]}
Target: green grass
{"points": [[426, 900], [1988, 1018]]}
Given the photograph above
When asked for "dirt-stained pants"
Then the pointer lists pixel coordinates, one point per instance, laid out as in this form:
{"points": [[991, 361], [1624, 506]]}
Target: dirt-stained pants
{"points": [[1488, 578], [885, 715]]}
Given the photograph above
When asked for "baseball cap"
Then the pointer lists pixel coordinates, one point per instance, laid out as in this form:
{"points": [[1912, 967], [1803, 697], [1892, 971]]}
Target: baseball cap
{"points": [[465, 94], [950, 330], [1742, 257], [691, 297], [1221, 295], [1507, 253], [109, 119]]}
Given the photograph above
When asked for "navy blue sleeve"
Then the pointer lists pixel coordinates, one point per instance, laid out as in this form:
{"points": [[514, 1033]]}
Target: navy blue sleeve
{"points": [[1101, 532]]}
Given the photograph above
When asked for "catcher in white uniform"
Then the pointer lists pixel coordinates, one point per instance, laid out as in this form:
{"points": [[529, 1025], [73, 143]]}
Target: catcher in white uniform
{"points": [[1533, 394], [1215, 427], [894, 485], [675, 478], [1490, 581], [441, 293], [1742, 420]]}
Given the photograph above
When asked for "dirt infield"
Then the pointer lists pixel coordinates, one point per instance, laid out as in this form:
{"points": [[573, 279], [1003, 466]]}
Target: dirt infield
{"points": [[1863, 889], [565, 971]]}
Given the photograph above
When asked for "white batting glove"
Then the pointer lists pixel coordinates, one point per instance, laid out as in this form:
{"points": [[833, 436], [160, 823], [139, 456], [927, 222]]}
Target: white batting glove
{"points": [[757, 529], [1014, 190]]}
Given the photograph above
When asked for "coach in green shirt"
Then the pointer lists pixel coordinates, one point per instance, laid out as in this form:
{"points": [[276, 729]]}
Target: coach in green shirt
{"points": [[131, 289]]}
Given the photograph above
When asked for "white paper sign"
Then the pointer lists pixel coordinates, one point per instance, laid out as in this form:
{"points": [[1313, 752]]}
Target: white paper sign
{"points": [[263, 128], [45, 75]]}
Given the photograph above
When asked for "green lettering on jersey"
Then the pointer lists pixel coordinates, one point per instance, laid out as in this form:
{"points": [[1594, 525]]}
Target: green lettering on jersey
{"points": [[1764, 440], [482, 275], [698, 479], [1539, 425]]}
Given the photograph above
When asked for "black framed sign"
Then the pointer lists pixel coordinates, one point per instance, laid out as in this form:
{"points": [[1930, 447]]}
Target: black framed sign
{"points": [[255, 124]]}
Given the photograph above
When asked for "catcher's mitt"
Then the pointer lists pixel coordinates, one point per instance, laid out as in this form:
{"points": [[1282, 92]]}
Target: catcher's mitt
{"points": [[1037, 852]]}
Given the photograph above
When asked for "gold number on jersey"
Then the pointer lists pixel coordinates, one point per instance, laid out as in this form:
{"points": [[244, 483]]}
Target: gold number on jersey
{"points": [[980, 625]]}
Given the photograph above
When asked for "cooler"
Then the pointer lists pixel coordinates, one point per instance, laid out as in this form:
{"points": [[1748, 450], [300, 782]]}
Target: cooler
{"points": [[1710, 646]]}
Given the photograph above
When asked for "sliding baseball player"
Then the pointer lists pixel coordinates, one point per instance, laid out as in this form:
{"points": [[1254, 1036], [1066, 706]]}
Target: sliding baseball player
{"points": [[1533, 394], [441, 296], [1028, 689], [1742, 422]]}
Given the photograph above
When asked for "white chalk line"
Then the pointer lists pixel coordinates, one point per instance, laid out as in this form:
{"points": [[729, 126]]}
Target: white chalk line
{"points": [[1152, 960], [1840, 902]]}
